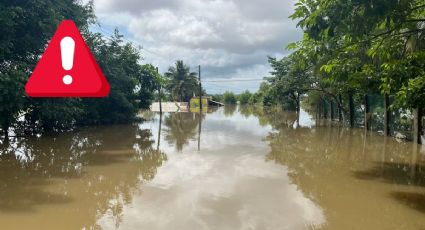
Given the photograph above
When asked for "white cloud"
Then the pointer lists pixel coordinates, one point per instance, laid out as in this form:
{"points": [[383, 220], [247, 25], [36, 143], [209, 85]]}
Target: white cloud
{"points": [[227, 37]]}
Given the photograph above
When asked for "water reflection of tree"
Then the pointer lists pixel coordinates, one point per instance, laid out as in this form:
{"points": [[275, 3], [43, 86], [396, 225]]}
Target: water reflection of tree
{"points": [[151, 159], [326, 162], [324, 150], [180, 128], [251, 110], [104, 163], [229, 110]]}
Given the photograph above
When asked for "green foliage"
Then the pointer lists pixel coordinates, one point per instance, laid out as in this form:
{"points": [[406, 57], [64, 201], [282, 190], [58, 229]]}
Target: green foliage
{"points": [[258, 97], [11, 96], [269, 98], [217, 97], [54, 114], [353, 47], [149, 80], [405, 78], [244, 97], [26, 27], [291, 78], [119, 62], [229, 98], [182, 84]]}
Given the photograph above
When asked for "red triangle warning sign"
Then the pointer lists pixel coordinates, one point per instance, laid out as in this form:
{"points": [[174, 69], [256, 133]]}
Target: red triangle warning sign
{"points": [[67, 68]]}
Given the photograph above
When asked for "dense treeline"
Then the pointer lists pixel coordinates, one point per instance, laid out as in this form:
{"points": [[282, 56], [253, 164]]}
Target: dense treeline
{"points": [[352, 49], [26, 27], [231, 98]]}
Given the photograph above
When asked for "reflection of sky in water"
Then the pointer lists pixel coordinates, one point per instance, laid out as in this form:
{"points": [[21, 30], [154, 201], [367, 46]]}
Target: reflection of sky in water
{"points": [[306, 119], [227, 185], [218, 132]]}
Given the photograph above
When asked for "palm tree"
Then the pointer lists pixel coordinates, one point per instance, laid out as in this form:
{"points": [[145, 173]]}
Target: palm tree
{"points": [[181, 128], [182, 83]]}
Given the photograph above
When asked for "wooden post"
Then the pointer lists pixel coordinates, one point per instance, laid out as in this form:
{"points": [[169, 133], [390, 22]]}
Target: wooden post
{"points": [[386, 115], [159, 94], [366, 112], [199, 129], [417, 125], [339, 109], [200, 88], [351, 108]]}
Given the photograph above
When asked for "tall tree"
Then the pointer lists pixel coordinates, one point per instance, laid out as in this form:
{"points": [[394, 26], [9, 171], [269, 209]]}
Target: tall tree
{"points": [[148, 82], [120, 64], [26, 26], [182, 83], [376, 46], [292, 77]]}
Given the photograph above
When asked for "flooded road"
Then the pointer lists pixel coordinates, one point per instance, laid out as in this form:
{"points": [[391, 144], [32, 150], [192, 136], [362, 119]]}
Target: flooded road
{"points": [[233, 168]]}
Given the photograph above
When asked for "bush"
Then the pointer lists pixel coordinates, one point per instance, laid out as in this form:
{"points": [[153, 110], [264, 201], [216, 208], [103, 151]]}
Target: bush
{"points": [[229, 98], [244, 97]]}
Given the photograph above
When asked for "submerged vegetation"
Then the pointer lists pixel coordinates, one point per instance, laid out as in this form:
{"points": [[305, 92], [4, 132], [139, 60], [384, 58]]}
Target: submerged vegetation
{"points": [[229, 98], [355, 48], [132, 84], [351, 50]]}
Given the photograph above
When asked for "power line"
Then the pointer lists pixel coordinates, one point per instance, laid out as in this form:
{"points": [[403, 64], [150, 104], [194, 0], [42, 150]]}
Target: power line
{"points": [[168, 59], [135, 42]]}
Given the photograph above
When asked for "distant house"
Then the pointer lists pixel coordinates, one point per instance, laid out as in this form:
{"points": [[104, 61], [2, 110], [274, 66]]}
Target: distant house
{"points": [[206, 102]]}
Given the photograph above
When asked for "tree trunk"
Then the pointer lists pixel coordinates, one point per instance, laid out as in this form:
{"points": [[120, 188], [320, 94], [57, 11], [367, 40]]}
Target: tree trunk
{"points": [[351, 109], [319, 109], [386, 115], [199, 130], [325, 110], [298, 104], [417, 125], [160, 100], [339, 109], [366, 112], [332, 110]]}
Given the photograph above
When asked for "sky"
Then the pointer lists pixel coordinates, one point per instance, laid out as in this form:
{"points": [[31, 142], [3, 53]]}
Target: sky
{"points": [[230, 39]]}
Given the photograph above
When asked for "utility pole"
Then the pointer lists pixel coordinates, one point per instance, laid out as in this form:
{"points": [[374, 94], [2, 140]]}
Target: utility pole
{"points": [[159, 94], [200, 108], [200, 88]]}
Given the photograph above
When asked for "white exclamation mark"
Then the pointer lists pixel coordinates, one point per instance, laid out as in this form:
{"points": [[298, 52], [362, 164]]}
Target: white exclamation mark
{"points": [[67, 54]]}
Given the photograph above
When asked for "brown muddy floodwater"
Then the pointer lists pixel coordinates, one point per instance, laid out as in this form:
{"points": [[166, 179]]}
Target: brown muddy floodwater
{"points": [[247, 169]]}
